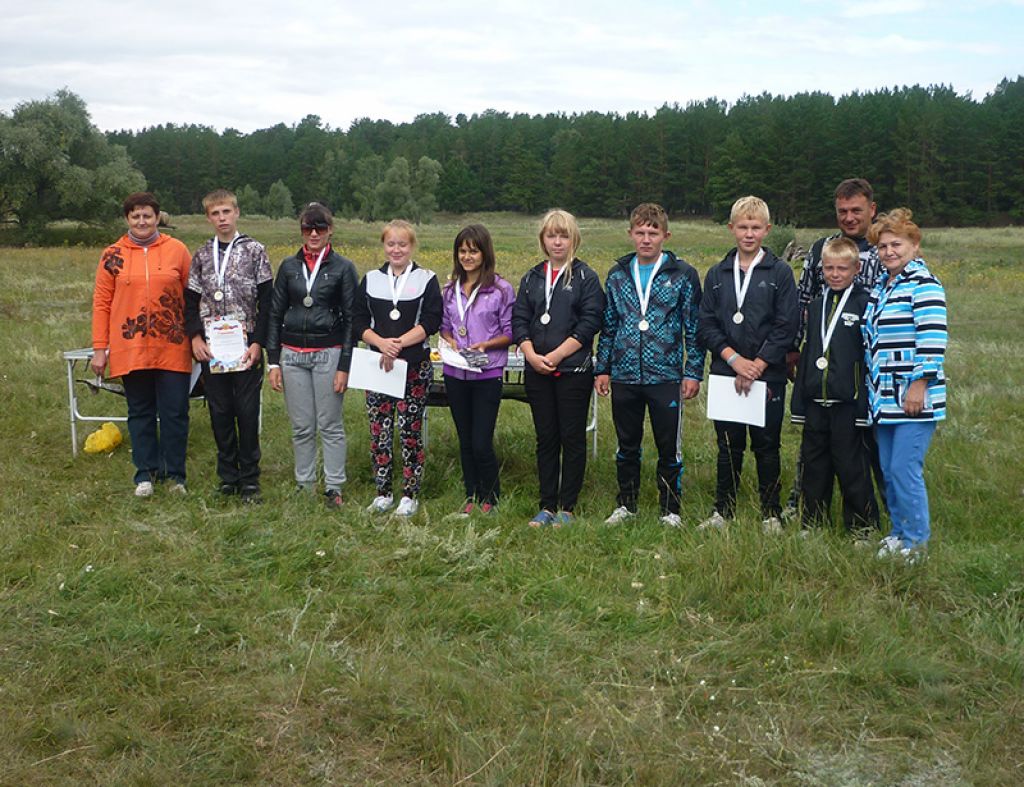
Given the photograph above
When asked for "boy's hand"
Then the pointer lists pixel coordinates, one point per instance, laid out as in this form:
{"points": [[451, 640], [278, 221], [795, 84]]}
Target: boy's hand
{"points": [[690, 388], [602, 384], [200, 349], [746, 368], [792, 360], [743, 385]]}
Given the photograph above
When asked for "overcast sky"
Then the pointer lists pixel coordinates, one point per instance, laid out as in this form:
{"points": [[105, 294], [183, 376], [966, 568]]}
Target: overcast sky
{"points": [[252, 64]]}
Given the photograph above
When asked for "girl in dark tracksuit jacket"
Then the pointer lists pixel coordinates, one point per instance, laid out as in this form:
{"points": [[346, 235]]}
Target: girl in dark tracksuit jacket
{"points": [[764, 334], [555, 318]]}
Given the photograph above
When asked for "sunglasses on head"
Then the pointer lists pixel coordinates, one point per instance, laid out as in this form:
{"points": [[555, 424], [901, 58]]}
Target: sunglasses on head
{"points": [[319, 226]]}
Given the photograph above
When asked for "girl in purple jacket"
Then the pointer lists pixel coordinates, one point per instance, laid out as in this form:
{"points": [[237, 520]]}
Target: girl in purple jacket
{"points": [[477, 317]]}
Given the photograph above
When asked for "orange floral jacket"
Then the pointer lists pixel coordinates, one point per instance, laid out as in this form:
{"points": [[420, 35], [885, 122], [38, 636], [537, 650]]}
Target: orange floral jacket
{"points": [[138, 306]]}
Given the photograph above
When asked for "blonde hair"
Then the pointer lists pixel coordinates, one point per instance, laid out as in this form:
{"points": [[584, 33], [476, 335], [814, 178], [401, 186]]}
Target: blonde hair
{"points": [[219, 197], [750, 208], [841, 249], [399, 225], [558, 220], [898, 222]]}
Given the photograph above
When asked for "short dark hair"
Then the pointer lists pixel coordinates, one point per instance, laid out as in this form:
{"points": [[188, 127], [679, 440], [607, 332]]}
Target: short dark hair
{"points": [[140, 199], [315, 212], [475, 235], [855, 187]]}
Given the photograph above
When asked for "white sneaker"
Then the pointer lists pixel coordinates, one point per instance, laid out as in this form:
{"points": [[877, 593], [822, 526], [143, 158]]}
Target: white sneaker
{"points": [[407, 506], [619, 515], [144, 489], [771, 526], [672, 520], [714, 522], [889, 546], [179, 488], [380, 504]]}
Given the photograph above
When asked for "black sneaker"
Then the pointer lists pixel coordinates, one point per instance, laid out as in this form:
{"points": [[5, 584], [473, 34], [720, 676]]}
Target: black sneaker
{"points": [[333, 499], [251, 494], [227, 489]]}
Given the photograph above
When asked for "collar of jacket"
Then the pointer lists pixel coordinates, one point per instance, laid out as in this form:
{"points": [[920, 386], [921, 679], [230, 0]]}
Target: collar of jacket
{"points": [[126, 240], [413, 265], [769, 260], [538, 269], [670, 264]]}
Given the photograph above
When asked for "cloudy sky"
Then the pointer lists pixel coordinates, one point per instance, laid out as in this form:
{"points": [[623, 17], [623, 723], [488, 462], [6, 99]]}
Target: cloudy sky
{"points": [[252, 64]]}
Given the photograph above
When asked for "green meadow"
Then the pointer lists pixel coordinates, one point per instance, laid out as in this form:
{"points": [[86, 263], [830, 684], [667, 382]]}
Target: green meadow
{"points": [[194, 641]]}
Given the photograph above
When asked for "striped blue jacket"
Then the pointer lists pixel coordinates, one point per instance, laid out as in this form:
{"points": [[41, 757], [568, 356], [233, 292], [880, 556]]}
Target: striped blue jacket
{"points": [[905, 339]]}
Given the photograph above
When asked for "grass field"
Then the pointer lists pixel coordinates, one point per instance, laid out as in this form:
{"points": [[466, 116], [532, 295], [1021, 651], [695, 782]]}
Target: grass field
{"points": [[194, 641]]}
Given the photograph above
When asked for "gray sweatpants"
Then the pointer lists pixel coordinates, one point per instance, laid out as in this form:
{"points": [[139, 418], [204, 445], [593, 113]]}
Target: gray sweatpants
{"points": [[314, 406]]}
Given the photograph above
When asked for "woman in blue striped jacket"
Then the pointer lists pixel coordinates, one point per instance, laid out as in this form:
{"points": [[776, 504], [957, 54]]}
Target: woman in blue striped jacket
{"points": [[905, 337]]}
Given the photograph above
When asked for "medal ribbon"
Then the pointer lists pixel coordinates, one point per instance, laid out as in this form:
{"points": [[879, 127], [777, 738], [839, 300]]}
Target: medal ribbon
{"points": [[826, 336], [397, 283], [458, 301], [644, 296], [741, 292], [219, 268], [311, 277], [549, 285]]}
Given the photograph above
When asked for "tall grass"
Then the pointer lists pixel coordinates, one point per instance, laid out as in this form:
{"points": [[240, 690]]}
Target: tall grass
{"points": [[192, 640]]}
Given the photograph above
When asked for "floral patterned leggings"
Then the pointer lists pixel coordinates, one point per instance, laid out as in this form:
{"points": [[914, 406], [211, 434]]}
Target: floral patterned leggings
{"points": [[411, 412]]}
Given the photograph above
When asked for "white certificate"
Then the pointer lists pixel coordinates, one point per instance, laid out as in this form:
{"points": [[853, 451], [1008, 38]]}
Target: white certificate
{"points": [[453, 357], [365, 373], [226, 338], [724, 404]]}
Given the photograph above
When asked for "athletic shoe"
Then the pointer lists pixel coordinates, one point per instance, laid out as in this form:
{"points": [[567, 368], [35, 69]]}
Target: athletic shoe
{"points": [[228, 489], [333, 499], [465, 511], [380, 504], [771, 526], [178, 488], [487, 508], [250, 494], [619, 515], [407, 506], [889, 546], [563, 519], [144, 489], [671, 520], [714, 522]]}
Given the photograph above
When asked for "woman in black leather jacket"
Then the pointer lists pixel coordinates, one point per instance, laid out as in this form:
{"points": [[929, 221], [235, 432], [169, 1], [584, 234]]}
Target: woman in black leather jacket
{"points": [[309, 348]]}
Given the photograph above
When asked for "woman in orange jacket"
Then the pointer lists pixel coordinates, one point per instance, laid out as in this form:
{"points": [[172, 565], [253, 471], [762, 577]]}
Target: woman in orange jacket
{"points": [[138, 327]]}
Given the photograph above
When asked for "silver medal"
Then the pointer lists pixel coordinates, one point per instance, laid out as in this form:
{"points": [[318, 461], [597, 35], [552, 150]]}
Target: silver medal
{"points": [[307, 301], [218, 295], [822, 363], [394, 314], [737, 318], [643, 325], [545, 318]]}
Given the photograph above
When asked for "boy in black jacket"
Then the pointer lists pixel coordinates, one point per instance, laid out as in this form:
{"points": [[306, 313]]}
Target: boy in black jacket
{"points": [[748, 320], [830, 396]]}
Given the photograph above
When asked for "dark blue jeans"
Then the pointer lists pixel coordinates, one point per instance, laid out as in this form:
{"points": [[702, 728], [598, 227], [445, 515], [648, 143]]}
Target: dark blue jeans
{"points": [[154, 393]]}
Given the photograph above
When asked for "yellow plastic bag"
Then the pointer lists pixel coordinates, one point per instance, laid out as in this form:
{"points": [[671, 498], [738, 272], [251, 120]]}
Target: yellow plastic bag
{"points": [[103, 440]]}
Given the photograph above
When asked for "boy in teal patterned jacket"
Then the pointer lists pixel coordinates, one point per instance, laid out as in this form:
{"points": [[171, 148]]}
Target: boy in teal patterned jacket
{"points": [[648, 358]]}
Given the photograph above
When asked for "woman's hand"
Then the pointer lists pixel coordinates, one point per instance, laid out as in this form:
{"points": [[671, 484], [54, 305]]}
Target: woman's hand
{"points": [[744, 367], [99, 362], [386, 362], [603, 384], [253, 355], [274, 376], [913, 399], [340, 382]]}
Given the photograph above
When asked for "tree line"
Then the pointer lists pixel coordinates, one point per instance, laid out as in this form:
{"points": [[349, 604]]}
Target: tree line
{"points": [[953, 159]]}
